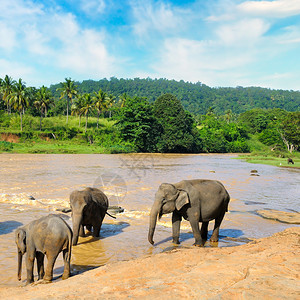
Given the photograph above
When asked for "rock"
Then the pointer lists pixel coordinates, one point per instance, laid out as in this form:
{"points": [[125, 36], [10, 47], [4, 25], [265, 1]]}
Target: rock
{"points": [[64, 210], [31, 198], [281, 216], [115, 209], [253, 171]]}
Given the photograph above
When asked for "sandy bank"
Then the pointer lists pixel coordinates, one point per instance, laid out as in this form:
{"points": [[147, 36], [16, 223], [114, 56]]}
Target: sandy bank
{"points": [[266, 268]]}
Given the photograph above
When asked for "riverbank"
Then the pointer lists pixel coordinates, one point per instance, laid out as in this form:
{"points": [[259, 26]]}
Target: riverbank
{"points": [[266, 268], [268, 159]]}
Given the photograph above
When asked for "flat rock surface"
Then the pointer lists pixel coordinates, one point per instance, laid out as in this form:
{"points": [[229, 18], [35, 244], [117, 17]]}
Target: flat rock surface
{"points": [[281, 216], [266, 268]]}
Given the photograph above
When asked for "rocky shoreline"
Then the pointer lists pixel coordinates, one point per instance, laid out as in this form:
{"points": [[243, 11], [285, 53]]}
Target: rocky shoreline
{"points": [[266, 268]]}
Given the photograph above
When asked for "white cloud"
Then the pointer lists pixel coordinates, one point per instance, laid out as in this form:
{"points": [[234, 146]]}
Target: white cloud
{"points": [[245, 32], [7, 37], [279, 8], [150, 17], [200, 61], [93, 7]]}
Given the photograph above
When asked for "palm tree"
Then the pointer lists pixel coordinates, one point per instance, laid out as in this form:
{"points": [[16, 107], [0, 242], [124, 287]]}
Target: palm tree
{"points": [[77, 107], [43, 101], [6, 90], [19, 99], [122, 99], [87, 107], [110, 101], [100, 100], [68, 89]]}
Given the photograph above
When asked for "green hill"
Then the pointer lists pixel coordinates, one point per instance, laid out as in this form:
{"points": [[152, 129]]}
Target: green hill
{"points": [[197, 98]]}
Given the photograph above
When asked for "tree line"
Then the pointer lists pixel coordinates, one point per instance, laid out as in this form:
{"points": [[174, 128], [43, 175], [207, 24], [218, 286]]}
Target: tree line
{"points": [[160, 125]]}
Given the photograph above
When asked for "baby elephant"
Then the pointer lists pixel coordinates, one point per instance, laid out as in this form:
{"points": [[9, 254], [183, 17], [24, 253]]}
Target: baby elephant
{"points": [[48, 235]]}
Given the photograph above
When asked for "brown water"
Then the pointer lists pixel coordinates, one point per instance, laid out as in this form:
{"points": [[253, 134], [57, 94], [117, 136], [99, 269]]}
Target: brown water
{"points": [[131, 182]]}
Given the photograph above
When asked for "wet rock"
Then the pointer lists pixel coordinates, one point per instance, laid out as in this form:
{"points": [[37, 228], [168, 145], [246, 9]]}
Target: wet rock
{"points": [[253, 171], [64, 210], [254, 203], [115, 209], [281, 216]]}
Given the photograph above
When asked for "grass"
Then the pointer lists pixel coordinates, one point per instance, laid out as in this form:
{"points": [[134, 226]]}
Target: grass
{"points": [[58, 137]]}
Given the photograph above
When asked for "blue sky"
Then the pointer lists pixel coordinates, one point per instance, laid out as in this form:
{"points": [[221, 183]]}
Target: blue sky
{"points": [[216, 42]]}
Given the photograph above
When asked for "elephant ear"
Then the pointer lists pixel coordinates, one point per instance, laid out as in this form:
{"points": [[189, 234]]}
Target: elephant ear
{"points": [[182, 199]]}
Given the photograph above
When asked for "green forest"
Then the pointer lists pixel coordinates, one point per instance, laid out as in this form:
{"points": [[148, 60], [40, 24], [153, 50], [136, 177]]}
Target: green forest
{"points": [[147, 115]]}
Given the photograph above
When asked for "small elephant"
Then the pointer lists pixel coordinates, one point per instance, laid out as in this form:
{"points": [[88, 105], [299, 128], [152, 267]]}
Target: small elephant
{"points": [[290, 161], [48, 235], [197, 201], [88, 209]]}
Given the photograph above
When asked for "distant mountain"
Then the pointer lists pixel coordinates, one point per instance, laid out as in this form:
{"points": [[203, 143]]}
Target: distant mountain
{"points": [[195, 97]]}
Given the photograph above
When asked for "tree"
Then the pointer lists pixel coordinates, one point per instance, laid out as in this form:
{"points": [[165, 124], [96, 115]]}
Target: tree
{"points": [[68, 89], [178, 133], [77, 107], [138, 125], [7, 87], [43, 102], [87, 107], [110, 102], [289, 131], [19, 99], [100, 102]]}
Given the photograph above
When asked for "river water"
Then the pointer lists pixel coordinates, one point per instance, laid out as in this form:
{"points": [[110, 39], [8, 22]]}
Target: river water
{"points": [[130, 181]]}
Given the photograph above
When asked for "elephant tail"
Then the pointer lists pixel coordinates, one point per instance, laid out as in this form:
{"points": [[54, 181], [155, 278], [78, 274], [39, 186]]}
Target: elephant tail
{"points": [[110, 215], [227, 199]]}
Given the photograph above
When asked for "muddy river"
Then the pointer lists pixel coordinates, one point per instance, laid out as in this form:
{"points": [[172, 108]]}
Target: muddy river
{"points": [[32, 186]]}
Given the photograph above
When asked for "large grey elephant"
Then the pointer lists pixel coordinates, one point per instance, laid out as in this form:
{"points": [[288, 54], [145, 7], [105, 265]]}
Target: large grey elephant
{"points": [[197, 201], [48, 235], [88, 209]]}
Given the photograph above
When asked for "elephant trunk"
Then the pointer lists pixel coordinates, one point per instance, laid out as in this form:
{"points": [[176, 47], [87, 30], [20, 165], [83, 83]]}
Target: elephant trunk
{"points": [[20, 255], [77, 218], [153, 217]]}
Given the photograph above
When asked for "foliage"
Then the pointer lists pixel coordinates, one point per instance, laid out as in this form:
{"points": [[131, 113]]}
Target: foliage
{"points": [[178, 133], [137, 124], [6, 146]]}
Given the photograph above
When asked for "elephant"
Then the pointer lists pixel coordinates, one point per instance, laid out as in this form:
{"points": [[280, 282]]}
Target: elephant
{"points": [[88, 209], [48, 235], [198, 200]]}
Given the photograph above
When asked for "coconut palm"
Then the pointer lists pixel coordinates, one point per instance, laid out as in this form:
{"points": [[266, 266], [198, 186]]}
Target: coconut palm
{"points": [[19, 99], [68, 89], [6, 90], [110, 102], [43, 101], [87, 107], [122, 99], [100, 103], [77, 107]]}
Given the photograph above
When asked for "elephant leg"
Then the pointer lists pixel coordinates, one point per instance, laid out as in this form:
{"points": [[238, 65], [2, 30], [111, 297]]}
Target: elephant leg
{"points": [[204, 231], [196, 231], [176, 220], [40, 265], [96, 228], [67, 272], [29, 266], [81, 231], [49, 269], [218, 221]]}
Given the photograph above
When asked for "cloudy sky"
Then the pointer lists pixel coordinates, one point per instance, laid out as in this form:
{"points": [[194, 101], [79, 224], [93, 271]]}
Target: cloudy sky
{"points": [[216, 42]]}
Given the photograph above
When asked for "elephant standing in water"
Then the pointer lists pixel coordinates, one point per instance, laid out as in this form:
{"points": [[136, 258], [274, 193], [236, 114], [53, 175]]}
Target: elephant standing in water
{"points": [[88, 209], [197, 201], [48, 235]]}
